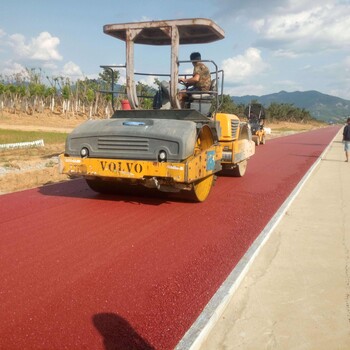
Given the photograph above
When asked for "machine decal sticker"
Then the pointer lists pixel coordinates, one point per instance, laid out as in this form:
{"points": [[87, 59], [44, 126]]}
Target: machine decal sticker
{"points": [[133, 123], [67, 160], [173, 167], [210, 160]]}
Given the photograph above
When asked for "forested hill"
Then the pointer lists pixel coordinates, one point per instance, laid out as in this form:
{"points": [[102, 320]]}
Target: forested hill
{"points": [[321, 106]]}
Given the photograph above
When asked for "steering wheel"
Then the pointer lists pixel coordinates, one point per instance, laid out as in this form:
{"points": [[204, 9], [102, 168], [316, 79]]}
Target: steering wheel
{"points": [[183, 83]]}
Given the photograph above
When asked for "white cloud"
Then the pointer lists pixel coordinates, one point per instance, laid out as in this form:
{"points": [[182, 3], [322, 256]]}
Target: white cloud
{"points": [[252, 8], [149, 80], [39, 51], [11, 68], [42, 48], [258, 89], [286, 53], [347, 65], [292, 27], [72, 70], [122, 77], [50, 66], [338, 78], [248, 89], [318, 28], [234, 8], [287, 85], [243, 67], [144, 19], [296, 6]]}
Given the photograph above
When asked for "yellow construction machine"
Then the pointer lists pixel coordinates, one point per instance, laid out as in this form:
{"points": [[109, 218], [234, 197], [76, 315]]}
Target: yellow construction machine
{"points": [[168, 148], [255, 114]]}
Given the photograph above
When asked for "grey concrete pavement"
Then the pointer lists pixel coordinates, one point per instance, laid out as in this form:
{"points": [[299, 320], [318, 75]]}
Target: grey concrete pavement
{"points": [[296, 293]]}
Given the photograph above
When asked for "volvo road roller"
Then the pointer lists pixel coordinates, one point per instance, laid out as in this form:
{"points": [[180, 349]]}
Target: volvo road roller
{"points": [[168, 148]]}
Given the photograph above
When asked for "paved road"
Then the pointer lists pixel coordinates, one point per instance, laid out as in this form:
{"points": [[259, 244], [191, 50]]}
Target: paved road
{"points": [[81, 270], [296, 294]]}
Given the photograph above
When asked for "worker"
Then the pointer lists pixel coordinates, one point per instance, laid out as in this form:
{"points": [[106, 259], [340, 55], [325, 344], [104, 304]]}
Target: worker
{"points": [[346, 139], [200, 80]]}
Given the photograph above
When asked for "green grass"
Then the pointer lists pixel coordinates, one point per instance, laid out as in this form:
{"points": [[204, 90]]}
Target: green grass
{"points": [[14, 136]]}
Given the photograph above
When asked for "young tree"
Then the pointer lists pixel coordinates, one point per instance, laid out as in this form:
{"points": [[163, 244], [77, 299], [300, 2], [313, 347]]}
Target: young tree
{"points": [[228, 106], [146, 93], [66, 93]]}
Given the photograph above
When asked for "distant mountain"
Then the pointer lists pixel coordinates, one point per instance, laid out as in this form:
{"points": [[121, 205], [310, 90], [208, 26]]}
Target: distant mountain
{"points": [[321, 106]]}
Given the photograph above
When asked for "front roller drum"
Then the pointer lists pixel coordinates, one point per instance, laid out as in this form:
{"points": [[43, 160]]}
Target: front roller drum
{"points": [[201, 188], [103, 186]]}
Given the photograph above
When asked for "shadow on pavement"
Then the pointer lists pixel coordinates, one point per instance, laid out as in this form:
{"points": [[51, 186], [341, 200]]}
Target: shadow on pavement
{"points": [[118, 334], [78, 188]]}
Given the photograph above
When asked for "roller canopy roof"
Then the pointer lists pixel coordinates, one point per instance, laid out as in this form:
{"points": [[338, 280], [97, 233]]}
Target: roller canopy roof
{"points": [[191, 31]]}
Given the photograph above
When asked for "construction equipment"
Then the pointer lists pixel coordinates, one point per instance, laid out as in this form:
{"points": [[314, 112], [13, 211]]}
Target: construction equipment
{"points": [[255, 113], [166, 148]]}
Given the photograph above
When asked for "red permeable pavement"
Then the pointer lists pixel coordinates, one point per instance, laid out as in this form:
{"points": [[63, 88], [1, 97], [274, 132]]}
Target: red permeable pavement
{"points": [[80, 270]]}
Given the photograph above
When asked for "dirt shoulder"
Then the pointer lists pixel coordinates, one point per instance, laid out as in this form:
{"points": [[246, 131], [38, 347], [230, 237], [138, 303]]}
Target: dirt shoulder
{"points": [[22, 169], [27, 168], [39, 122]]}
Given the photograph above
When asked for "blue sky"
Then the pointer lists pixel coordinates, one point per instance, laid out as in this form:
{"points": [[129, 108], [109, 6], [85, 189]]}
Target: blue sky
{"points": [[269, 46]]}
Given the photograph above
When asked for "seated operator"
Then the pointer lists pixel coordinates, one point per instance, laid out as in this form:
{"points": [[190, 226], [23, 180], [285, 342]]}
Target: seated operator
{"points": [[200, 81]]}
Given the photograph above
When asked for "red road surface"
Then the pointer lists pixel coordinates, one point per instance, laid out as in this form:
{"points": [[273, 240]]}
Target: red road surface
{"points": [[80, 270]]}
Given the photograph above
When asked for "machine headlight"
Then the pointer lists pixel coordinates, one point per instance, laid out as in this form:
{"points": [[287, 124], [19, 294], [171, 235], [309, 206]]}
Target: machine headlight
{"points": [[84, 152], [162, 156]]}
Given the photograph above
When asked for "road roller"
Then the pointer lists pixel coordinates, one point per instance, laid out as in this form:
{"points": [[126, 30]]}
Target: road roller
{"points": [[169, 147]]}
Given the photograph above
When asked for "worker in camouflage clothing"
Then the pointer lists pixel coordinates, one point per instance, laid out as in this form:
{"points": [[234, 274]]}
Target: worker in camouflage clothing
{"points": [[200, 80]]}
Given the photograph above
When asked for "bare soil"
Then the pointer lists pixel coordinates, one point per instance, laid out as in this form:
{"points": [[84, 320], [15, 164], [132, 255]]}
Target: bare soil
{"points": [[22, 169]]}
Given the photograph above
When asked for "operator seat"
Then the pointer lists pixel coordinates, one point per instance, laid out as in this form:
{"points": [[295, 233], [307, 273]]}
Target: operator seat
{"points": [[201, 100]]}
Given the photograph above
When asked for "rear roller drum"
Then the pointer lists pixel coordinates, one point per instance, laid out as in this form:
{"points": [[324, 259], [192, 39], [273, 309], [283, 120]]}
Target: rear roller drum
{"points": [[240, 169], [256, 140]]}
